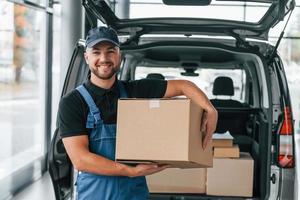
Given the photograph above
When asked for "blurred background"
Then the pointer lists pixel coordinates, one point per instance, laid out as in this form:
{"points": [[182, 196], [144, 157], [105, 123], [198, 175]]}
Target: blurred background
{"points": [[34, 36]]}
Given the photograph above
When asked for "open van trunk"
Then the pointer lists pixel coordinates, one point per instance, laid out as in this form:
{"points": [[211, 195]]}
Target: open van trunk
{"points": [[249, 123]]}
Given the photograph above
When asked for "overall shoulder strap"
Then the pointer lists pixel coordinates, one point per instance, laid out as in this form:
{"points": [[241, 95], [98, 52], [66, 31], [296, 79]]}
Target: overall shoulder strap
{"points": [[123, 93], [94, 113]]}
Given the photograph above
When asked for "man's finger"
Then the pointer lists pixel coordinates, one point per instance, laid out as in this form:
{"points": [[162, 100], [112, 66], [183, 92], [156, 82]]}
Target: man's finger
{"points": [[207, 138], [204, 122], [203, 127], [204, 142], [157, 169]]}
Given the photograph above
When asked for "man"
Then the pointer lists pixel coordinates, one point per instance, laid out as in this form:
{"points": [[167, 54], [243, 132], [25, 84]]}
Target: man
{"points": [[87, 121]]}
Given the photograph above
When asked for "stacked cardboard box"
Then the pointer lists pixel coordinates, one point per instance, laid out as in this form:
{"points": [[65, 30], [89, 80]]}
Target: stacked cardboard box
{"points": [[174, 180], [231, 176], [222, 139], [232, 171], [167, 131], [223, 146]]}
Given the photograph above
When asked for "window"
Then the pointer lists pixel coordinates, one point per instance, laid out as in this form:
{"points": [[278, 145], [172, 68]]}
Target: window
{"points": [[22, 95], [56, 62], [204, 80]]}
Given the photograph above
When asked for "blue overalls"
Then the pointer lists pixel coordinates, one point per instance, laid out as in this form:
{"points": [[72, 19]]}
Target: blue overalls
{"points": [[102, 141]]}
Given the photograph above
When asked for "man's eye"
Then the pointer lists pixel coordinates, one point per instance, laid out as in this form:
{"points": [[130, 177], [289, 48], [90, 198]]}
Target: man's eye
{"points": [[95, 52]]}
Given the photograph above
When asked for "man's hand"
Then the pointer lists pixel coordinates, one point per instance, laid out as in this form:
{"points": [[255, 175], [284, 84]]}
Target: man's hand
{"points": [[209, 124], [146, 169]]}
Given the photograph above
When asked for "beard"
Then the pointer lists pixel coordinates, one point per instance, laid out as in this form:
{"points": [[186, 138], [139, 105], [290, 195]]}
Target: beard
{"points": [[107, 76]]}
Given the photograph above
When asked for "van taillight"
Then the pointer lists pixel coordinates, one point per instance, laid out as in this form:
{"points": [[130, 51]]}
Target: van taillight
{"points": [[286, 145], [287, 126]]}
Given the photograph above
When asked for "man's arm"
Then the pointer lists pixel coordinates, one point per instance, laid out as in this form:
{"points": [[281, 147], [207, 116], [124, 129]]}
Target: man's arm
{"points": [[190, 90], [84, 160]]}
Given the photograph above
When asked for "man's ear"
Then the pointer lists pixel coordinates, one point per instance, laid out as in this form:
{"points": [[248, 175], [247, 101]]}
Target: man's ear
{"points": [[120, 58], [86, 58], [120, 54]]}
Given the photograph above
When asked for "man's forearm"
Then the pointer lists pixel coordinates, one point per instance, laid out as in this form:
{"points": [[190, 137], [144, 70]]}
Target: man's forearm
{"points": [[190, 90], [97, 164], [82, 159]]}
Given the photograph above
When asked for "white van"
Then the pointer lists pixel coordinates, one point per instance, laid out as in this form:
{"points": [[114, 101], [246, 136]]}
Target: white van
{"points": [[258, 112]]}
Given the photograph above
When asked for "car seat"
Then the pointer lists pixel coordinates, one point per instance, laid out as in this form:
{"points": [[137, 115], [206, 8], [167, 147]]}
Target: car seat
{"points": [[223, 85], [233, 121], [156, 76]]}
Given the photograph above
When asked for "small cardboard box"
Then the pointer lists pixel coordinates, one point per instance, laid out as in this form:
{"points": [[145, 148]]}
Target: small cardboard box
{"points": [[222, 139], [231, 176], [165, 131], [178, 181], [227, 152], [222, 143]]}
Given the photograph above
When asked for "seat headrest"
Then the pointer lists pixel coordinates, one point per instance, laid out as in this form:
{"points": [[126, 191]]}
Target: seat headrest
{"points": [[156, 76], [223, 85]]}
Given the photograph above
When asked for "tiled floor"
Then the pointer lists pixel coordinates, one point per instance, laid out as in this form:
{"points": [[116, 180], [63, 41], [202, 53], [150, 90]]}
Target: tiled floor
{"points": [[41, 189]]}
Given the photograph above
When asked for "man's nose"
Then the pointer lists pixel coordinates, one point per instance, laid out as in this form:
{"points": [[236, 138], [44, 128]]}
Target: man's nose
{"points": [[103, 57]]}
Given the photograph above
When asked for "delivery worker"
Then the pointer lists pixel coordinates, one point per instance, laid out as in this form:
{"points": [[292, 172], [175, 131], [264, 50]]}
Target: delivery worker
{"points": [[87, 121]]}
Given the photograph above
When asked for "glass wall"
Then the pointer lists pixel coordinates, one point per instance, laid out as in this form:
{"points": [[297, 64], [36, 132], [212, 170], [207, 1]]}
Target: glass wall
{"points": [[56, 62], [23, 64]]}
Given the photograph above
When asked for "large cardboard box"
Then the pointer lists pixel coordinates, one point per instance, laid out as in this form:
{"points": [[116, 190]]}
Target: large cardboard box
{"points": [[227, 152], [165, 131], [174, 180], [231, 176]]}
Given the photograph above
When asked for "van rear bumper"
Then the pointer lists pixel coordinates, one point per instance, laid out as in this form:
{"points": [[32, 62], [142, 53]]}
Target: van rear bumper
{"points": [[287, 184], [195, 197]]}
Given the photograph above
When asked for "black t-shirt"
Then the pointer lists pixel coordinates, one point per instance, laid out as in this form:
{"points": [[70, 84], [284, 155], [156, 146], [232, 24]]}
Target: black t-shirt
{"points": [[73, 110]]}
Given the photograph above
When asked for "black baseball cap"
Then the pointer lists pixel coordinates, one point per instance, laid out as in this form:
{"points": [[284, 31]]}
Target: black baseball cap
{"points": [[100, 34]]}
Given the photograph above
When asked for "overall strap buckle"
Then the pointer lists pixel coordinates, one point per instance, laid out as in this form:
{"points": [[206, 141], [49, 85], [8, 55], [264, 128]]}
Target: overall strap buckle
{"points": [[93, 117]]}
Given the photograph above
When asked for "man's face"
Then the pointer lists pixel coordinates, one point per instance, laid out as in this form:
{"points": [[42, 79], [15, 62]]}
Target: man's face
{"points": [[103, 60]]}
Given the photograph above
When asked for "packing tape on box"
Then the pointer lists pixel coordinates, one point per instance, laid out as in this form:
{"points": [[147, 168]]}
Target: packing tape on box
{"points": [[154, 103]]}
